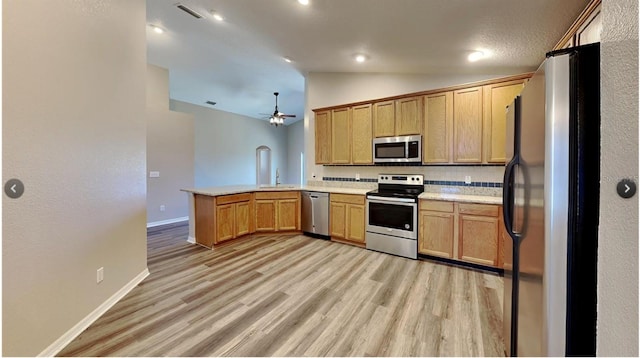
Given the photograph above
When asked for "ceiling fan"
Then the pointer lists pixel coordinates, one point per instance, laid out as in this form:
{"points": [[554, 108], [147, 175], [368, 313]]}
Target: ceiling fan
{"points": [[277, 118]]}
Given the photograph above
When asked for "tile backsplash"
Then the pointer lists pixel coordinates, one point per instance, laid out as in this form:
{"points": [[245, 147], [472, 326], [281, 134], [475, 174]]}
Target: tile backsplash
{"points": [[485, 180]]}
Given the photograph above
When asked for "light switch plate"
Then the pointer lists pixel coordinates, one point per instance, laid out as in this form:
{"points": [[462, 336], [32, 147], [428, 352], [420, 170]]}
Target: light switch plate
{"points": [[357, 176], [154, 174], [467, 179]]}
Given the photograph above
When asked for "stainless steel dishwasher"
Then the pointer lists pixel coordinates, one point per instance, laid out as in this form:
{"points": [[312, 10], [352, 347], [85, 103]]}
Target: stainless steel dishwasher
{"points": [[315, 213]]}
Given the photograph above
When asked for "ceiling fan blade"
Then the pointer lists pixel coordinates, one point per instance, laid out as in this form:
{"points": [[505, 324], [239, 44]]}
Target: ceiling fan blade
{"points": [[288, 115]]}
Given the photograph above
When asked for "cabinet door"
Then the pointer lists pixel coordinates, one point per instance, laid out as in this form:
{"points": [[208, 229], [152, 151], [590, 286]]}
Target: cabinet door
{"points": [[438, 128], [384, 119], [478, 239], [361, 134], [265, 215], [496, 98], [436, 234], [337, 218], [340, 136], [288, 214], [467, 125], [225, 222], [355, 223], [242, 218], [323, 137], [409, 116]]}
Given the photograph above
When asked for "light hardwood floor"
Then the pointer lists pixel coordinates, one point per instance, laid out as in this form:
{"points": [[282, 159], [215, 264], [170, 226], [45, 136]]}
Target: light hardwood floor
{"points": [[279, 295]]}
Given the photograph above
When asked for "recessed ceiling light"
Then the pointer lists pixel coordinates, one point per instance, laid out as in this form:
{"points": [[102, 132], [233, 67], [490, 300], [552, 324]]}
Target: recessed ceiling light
{"points": [[476, 55], [217, 15], [360, 58], [303, 2], [287, 59], [157, 29]]}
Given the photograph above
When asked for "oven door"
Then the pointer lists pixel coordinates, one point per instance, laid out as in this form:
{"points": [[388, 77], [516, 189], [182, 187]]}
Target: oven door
{"points": [[392, 216]]}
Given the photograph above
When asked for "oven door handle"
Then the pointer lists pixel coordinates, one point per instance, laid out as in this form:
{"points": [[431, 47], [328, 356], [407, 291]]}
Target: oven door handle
{"points": [[384, 200]]}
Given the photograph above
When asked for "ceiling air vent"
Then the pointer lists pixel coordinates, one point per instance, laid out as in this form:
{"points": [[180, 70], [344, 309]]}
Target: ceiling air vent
{"points": [[189, 11], [211, 103]]}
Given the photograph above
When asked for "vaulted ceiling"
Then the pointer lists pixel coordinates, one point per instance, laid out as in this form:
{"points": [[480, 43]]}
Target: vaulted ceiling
{"points": [[239, 62]]}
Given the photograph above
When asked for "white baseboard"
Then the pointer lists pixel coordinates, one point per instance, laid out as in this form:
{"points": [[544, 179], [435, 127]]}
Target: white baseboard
{"points": [[75, 331], [191, 240], [169, 221]]}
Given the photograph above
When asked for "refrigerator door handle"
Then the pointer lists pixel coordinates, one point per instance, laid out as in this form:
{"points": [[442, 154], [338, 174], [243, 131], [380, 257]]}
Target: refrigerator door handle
{"points": [[507, 197]]}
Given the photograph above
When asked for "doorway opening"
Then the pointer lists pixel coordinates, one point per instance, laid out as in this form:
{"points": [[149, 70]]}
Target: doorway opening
{"points": [[263, 165]]}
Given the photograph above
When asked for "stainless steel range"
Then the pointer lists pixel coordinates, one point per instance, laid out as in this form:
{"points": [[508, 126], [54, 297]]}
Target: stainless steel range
{"points": [[392, 214]]}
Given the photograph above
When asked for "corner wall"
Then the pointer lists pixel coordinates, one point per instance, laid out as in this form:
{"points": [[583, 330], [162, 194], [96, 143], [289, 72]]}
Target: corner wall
{"points": [[74, 132], [170, 151], [617, 322]]}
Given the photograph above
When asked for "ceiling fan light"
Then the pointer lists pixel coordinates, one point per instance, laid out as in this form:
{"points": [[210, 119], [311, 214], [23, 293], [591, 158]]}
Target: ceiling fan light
{"points": [[303, 2]]}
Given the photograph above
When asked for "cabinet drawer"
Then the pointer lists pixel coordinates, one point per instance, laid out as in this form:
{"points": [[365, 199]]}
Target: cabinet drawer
{"points": [[442, 206], [268, 195], [347, 198], [234, 198], [478, 209]]}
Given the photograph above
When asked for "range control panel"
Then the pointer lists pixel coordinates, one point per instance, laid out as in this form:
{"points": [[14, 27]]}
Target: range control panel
{"points": [[406, 179]]}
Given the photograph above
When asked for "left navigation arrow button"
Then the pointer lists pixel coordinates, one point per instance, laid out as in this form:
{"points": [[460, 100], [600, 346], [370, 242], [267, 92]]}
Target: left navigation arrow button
{"points": [[14, 188]]}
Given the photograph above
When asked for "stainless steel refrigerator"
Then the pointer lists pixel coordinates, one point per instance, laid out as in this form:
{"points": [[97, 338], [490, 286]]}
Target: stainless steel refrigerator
{"points": [[551, 208]]}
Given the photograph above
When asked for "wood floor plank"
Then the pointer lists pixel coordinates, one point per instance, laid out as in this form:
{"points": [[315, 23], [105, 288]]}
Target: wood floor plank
{"points": [[291, 295]]}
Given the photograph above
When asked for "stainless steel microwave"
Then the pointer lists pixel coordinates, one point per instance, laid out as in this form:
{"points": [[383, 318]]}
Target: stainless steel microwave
{"points": [[406, 149]]}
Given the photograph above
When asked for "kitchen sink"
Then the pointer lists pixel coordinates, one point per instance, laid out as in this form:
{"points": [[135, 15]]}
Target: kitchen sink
{"points": [[277, 186]]}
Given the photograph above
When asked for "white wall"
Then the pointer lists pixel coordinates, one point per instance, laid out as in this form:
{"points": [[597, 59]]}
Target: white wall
{"points": [[295, 144], [618, 236], [170, 151], [225, 146], [74, 133], [330, 89]]}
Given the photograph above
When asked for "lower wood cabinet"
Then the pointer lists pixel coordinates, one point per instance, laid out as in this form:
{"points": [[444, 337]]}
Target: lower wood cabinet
{"points": [[222, 218], [347, 217], [277, 211], [461, 231], [437, 229]]}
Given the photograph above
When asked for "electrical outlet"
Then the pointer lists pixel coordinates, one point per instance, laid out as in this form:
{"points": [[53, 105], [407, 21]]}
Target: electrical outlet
{"points": [[100, 275], [313, 175], [467, 179], [357, 176], [162, 207]]}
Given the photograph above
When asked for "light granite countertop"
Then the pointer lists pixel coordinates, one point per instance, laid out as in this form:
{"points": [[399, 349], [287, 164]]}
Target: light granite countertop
{"points": [[238, 189], [461, 198]]}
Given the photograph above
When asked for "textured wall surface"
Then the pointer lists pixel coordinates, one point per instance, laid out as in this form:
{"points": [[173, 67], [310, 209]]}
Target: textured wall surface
{"points": [[74, 133], [225, 146], [618, 235], [170, 151]]}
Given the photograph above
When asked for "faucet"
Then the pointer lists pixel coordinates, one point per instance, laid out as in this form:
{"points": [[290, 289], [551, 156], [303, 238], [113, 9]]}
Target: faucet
{"points": [[277, 176]]}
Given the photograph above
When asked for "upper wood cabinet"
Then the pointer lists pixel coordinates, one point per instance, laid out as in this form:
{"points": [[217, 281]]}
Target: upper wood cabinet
{"points": [[340, 136], [590, 30], [398, 117], [361, 134], [323, 137], [438, 127], [496, 99], [384, 119], [586, 29], [409, 116], [467, 125], [463, 125]]}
